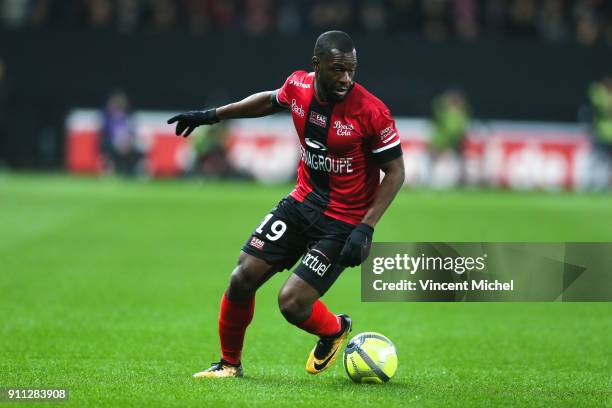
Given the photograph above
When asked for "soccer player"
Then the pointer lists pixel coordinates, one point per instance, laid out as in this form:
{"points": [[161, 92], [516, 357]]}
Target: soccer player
{"points": [[347, 136]]}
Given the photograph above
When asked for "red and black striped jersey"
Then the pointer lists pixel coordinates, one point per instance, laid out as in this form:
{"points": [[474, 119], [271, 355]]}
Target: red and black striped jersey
{"points": [[342, 145]]}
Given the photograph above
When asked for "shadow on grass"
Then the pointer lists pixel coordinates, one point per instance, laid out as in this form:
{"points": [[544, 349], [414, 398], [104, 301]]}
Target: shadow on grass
{"points": [[325, 384]]}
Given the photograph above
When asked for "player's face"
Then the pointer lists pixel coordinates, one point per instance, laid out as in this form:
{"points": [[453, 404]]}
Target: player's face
{"points": [[335, 73]]}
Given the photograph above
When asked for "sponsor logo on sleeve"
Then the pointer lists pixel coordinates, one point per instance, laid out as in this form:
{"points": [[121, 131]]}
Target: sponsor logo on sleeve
{"points": [[317, 119], [387, 134], [299, 84]]}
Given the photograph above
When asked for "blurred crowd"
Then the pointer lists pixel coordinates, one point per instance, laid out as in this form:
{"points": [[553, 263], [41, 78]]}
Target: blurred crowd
{"points": [[123, 154], [586, 22], [450, 122], [451, 118]]}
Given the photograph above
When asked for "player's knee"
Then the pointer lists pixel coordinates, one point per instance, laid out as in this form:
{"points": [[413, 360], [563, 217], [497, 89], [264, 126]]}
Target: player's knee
{"points": [[242, 282], [294, 309]]}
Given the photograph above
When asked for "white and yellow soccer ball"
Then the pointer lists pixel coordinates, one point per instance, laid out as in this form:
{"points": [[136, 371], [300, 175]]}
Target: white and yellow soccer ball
{"points": [[370, 358]]}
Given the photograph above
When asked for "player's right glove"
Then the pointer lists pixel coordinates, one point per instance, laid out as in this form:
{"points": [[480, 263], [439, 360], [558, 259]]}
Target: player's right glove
{"points": [[357, 246], [192, 119]]}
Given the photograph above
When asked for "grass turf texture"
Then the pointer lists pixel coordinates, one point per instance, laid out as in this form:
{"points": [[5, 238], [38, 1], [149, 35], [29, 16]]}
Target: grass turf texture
{"points": [[111, 289]]}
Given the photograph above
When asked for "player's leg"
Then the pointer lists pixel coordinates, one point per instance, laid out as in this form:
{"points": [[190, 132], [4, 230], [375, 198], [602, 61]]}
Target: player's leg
{"points": [[236, 313], [299, 302], [238, 303], [271, 248]]}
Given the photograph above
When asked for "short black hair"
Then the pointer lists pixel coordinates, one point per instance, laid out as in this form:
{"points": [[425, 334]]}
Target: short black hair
{"points": [[330, 40]]}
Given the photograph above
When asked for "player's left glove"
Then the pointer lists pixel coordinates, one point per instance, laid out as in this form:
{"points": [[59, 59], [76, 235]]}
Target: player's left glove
{"points": [[192, 119], [357, 246]]}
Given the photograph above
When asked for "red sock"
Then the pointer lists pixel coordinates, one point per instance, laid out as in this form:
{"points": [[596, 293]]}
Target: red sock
{"points": [[234, 317], [321, 322]]}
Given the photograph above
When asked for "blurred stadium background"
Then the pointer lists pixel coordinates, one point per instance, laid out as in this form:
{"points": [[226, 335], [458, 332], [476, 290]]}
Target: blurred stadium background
{"points": [[510, 93], [110, 282]]}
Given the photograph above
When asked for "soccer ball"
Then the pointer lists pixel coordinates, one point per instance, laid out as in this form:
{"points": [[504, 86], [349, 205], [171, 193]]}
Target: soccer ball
{"points": [[370, 358]]}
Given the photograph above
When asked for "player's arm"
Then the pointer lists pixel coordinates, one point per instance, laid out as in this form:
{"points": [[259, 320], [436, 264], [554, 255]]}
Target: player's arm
{"points": [[390, 185], [387, 151], [254, 106], [357, 246]]}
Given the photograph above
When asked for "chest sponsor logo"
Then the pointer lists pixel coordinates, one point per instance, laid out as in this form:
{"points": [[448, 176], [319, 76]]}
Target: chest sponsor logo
{"points": [[387, 134], [318, 119], [297, 108], [321, 162], [315, 144], [342, 129], [299, 84]]}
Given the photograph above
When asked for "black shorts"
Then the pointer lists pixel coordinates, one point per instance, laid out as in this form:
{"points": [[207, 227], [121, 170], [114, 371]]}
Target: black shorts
{"points": [[294, 230]]}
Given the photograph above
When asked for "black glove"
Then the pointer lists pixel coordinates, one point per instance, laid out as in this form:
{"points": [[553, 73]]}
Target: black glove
{"points": [[192, 119], [357, 246]]}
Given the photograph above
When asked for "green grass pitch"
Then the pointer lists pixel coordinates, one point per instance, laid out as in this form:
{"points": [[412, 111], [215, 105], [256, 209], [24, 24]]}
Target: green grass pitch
{"points": [[111, 289]]}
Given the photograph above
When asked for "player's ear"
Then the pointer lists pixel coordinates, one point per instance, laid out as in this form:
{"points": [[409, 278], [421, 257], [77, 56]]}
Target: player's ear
{"points": [[315, 63]]}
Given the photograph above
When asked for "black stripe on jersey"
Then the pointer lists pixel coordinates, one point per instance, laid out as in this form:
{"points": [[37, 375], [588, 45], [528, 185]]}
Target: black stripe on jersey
{"points": [[388, 155], [315, 142], [275, 102]]}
